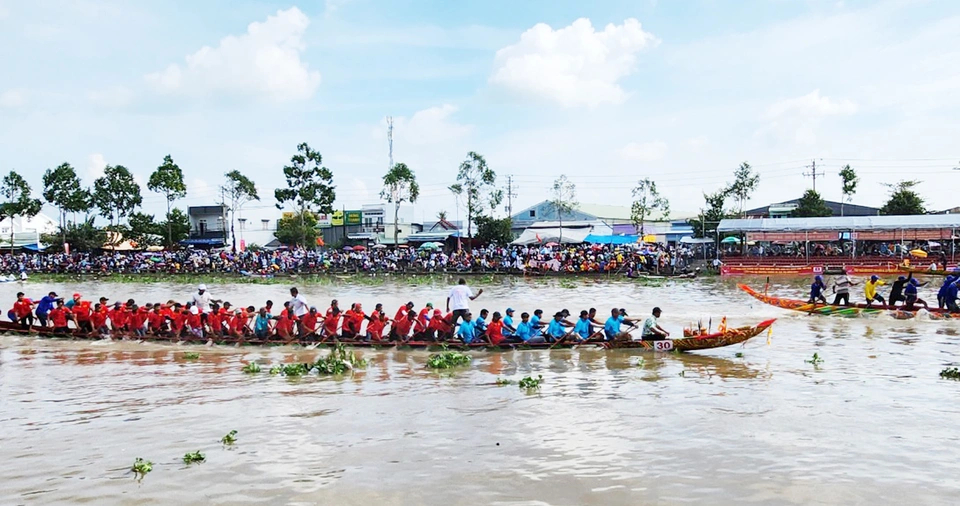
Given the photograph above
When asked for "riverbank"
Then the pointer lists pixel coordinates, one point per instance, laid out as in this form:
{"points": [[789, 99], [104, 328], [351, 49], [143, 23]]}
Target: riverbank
{"points": [[335, 279]]}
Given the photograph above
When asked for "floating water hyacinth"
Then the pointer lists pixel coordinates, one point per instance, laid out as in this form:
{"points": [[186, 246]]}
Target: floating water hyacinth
{"points": [[529, 383]]}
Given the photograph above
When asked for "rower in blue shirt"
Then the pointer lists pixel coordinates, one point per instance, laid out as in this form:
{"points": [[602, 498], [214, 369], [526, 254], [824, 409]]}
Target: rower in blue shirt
{"points": [[951, 296], [556, 331], [468, 329], [582, 327], [526, 331], [910, 295], [942, 293], [508, 327], [45, 306], [481, 321], [817, 289], [535, 324], [611, 329]]}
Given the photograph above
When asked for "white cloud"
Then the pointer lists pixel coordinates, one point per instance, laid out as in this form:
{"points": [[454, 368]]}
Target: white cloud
{"points": [[810, 105], [265, 60], [433, 125], [575, 65], [644, 152], [95, 165], [114, 96], [13, 98]]}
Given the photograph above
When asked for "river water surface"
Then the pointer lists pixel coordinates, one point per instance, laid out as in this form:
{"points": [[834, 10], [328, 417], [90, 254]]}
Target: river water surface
{"points": [[872, 424]]}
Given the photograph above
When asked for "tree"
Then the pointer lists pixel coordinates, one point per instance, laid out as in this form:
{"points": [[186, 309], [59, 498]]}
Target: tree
{"points": [[493, 231], [399, 185], [309, 187], [116, 195], [744, 184], [850, 181], [712, 214], [441, 216], [85, 236], [297, 230], [240, 190], [168, 180], [811, 205], [474, 180], [61, 187], [177, 224], [143, 229], [903, 200], [17, 200], [564, 200], [647, 200]]}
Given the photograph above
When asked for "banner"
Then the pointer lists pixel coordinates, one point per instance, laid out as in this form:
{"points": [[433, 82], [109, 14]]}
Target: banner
{"points": [[353, 217], [336, 219]]}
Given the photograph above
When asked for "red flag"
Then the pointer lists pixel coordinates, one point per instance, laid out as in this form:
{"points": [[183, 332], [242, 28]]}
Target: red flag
{"points": [[538, 238]]}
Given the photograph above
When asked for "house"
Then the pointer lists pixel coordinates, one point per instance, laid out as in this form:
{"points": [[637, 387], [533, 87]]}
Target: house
{"points": [[784, 209], [545, 211], [209, 226], [439, 231], [26, 231]]}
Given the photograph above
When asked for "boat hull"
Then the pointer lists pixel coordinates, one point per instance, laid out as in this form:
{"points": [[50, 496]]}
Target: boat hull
{"points": [[852, 310]]}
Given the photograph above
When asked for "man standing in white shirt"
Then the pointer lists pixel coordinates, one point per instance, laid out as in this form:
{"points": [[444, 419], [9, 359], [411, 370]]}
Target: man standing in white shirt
{"points": [[298, 303], [202, 299], [459, 300]]}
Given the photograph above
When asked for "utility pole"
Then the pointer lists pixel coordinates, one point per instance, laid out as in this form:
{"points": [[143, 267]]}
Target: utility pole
{"points": [[510, 195], [813, 173], [223, 220], [390, 139]]}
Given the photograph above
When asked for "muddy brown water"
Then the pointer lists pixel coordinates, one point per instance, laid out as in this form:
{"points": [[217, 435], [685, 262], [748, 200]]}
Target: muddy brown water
{"points": [[872, 424]]}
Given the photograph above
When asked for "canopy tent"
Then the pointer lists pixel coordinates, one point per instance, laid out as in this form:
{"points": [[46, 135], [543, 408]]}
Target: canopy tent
{"points": [[690, 240], [554, 234], [842, 223], [611, 239]]}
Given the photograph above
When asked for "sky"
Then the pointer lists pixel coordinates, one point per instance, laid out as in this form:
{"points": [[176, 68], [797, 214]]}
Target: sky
{"points": [[605, 92]]}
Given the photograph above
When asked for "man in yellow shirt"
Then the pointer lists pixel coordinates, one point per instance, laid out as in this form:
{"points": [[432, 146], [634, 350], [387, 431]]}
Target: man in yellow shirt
{"points": [[870, 290]]}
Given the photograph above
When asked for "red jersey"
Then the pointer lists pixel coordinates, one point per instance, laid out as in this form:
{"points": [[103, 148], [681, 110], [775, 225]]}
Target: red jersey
{"points": [[137, 319], [59, 316], [353, 320], [22, 308], [238, 323], [375, 326], [155, 321], [177, 322], [309, 322], [215, 321], [418, 326], [81, 311], [284, 326], [331, 323], [118, 318], [439, 323], [495, 331], [424, 317], [99, 319], [194, 321], [401, 313], [402, 325]]}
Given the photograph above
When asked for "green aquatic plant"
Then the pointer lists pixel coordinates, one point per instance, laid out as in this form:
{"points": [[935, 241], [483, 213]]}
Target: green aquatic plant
{"points": [[738, 354], [503, 382], [950, 373], [529, 383], [230, 438], [251, 368], [191, 355], [298, 369], [141, 467], [277, 369], [641, 362], [195, 457], [339, 361], [815, 360], [447, 359]]}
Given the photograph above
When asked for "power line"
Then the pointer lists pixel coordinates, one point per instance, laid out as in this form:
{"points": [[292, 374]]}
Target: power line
{"points": [[813, 173]]}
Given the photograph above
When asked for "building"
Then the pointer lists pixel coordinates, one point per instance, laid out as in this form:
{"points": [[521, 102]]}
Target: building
{"points": [[26, 230], [443, 231], [254, 232], [784, 209], [209, 226]]}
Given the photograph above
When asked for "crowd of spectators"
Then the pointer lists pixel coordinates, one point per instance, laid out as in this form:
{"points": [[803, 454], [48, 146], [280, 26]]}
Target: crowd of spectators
{"points": [[584, 258], [828, 249]]}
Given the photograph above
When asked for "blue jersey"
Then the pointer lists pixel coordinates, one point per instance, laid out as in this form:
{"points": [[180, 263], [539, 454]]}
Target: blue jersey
{"points": [[582, 328], [535, 325], [524, 331], [507, 320], [951, 292], [46, 305], [556, 329], [816, 289], [467, 331], [612, 327], [480, 324]]}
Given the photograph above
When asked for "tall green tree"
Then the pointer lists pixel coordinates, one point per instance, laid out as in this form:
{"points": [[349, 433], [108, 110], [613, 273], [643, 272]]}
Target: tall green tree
{"points": [[647, 201], [61, 187], [399, 185], [903, 199], [298, 230], [83, 236], [476, 182], [309, 186], [712, 214], [116, 195], [563, 199], [168, 181], [494, 231], [17, 200], [811, 205], [143, 229], [850, 181], [240, 190], [745, 182], [178, 224]]}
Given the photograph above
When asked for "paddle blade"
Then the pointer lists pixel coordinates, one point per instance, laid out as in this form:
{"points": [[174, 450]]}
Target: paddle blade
{"points": [[769, 334]]}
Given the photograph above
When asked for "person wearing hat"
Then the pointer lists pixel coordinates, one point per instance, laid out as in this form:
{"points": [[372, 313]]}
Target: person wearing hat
{"points": [[73, 302], [816, 290], [611, 328], [841, 287], [556, 331], [911, 296], [509, 329], [23, 311], [870, 290], [423, 317], [652, 331], [202, 299], [402, 312], [309, 323]]}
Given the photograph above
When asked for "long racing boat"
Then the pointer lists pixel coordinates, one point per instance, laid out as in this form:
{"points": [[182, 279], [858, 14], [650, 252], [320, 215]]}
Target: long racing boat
{"points": [[727, 337], [849, 310]]}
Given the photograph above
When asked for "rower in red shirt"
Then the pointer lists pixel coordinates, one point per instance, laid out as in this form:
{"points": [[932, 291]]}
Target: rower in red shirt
{"points": [[215, 320], [178, 320], [194, 320], [310, 322], [330, 323], [238, 323], [494, 332], [59, 316], [439, 326], [376, 324], [99, 319], [118, 318], [401, 327], [353, 321], [402, 312], [136, 319], [423, 317], [333, 305], [155, 320], [81, 315], [286, 325], [23, 311]]}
